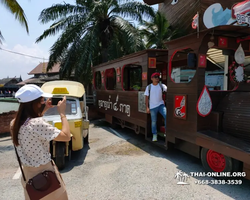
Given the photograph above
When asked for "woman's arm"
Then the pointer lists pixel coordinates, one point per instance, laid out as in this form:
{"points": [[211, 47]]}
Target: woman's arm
{"points": [[65, 132]]}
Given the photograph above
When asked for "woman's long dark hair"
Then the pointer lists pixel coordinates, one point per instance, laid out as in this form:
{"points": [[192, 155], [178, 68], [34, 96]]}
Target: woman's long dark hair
{"points": [[25, 111]]}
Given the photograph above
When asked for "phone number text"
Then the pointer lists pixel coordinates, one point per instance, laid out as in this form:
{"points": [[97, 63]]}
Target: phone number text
{"points": [[218, 182]]}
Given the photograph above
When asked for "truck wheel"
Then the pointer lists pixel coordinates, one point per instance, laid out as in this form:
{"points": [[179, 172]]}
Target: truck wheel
{"points": [[213, 161], [60, 155], [86, 139]]}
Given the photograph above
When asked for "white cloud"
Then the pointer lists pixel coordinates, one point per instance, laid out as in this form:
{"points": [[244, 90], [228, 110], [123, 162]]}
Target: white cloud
{"points": [[12, 65]]}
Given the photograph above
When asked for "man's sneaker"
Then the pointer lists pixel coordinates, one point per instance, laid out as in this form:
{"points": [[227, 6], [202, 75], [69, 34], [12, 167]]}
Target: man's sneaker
{"points": [[154, 138]]}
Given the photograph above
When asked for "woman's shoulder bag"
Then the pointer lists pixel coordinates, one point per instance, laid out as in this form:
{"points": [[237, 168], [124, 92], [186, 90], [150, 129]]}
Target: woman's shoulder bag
{"points": [[40, 185]]}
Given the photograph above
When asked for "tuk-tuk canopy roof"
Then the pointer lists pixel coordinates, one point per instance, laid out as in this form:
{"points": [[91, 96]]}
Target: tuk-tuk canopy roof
{"points": [[65, 88]]}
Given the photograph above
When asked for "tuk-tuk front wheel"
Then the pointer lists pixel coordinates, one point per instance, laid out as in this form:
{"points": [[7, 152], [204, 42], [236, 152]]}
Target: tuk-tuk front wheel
{"points": [[60, 155]]}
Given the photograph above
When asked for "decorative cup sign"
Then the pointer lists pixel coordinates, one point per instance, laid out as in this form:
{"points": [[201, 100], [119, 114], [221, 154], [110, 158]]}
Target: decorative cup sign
{"points": [[102, 76], [144, 76], [180, 106], [204, 104], [222, 42], [239, 55], [118, 79], [118, 75], [151, 62], [118, 71], [202, 60]]}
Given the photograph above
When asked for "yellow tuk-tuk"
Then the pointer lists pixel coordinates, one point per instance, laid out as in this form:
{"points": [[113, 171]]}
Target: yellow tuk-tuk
{"points": [[77, 115]]}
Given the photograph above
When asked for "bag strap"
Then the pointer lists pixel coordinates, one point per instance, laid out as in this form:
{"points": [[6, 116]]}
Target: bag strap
{"points": [[161, 87], [20, 165], [18, 158]]}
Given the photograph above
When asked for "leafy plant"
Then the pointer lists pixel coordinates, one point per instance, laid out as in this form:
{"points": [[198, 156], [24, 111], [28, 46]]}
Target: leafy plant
{"points": [[158, 31]]}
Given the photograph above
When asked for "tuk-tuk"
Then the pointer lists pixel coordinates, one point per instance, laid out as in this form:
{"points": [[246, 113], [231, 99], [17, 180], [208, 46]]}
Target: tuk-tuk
{"points": [[77, 115]]}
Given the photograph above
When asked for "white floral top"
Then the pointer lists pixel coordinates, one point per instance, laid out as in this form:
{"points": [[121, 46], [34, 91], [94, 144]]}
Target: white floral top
{"points": [[34, 138]]}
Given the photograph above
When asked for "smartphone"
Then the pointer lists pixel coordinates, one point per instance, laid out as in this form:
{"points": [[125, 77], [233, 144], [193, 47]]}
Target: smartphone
{"points": [[55, 100]]}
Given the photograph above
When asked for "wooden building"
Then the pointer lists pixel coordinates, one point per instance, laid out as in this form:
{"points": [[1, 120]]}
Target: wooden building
{"points": [[40, 74], [9, 85]]}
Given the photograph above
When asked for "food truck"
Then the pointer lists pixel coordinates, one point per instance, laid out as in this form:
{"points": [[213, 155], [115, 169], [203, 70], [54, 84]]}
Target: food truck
{"points": [[207, 73]]}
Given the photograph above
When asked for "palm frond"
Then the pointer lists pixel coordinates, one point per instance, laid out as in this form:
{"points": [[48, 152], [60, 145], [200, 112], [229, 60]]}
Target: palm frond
{"points": [[67, 38], [132, 40], [157, 32], [1, 38], [60, 11], [16, 9], [62, 24], [134, 10]]}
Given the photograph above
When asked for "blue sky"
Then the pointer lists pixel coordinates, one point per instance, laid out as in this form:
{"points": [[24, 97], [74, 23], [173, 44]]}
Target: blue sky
{"points": [[16, 39]]}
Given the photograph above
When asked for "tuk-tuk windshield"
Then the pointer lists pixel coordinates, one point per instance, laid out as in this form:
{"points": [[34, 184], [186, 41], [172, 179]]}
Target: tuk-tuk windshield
{"points": [[71, 109]]}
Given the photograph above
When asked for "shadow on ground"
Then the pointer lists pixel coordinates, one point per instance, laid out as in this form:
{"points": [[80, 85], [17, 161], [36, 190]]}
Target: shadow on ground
{"points": [[185, 162], [77, 159]]}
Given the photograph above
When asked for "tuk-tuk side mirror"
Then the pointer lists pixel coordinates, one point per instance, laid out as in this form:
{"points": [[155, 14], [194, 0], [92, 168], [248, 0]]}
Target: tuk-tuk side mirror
{"points": [[191, 60]]}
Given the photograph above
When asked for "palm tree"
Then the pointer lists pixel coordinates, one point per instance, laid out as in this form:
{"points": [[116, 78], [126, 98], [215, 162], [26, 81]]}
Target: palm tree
{"points": [[158, 31], [15, 9], [92, 32]]}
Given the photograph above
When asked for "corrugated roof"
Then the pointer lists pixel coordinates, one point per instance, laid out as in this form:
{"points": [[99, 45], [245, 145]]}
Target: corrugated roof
{"points": [[51, 78], [32, 80], [42, 67], [216, 57], [6, 80]]}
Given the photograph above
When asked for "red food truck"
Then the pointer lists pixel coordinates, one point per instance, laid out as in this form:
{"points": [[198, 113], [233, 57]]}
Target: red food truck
{"points": [[208, 77]]}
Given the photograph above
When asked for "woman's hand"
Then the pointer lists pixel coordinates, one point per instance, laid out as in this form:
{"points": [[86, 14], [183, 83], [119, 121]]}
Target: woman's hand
{"points": [[61, 106], [48, 105]]}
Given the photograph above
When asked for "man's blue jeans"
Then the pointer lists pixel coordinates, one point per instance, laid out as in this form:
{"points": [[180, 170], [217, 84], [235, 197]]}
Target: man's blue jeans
{"points": [[163, 111]]}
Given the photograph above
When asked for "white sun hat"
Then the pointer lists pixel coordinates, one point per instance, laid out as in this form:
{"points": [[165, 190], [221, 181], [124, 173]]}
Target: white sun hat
{"points": [[29, 93]]}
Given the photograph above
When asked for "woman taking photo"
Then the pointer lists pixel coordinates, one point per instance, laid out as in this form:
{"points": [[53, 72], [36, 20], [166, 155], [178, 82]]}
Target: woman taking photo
{"points": [[31, 136]]}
